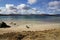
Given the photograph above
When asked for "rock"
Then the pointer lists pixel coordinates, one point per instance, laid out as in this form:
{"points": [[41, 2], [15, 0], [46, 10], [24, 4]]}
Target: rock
{"points": [[13, 23], [4, 25], [27, 26]]}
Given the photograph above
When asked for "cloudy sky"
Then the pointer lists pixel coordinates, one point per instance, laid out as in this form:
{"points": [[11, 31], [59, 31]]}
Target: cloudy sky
{"points": [[29, 6]]}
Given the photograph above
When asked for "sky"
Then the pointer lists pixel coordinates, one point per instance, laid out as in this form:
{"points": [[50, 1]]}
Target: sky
{"points": [[29, 6]]}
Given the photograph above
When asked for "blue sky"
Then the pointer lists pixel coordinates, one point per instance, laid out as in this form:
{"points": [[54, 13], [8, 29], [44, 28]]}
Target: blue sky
{"points": [[39, 3], [15, 2], [44, 6]]}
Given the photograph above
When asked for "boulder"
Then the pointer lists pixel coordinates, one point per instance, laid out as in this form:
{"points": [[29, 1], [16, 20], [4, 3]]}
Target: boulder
{"points": [[4, 25]]}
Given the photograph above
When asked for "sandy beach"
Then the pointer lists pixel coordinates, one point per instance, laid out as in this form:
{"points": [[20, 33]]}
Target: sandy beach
{"points": [[30, 30], [18, 26], [52, 34]]}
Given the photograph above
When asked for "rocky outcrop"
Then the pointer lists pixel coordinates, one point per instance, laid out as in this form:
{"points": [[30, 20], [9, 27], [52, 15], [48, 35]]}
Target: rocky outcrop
{"points": [[4, 25]]}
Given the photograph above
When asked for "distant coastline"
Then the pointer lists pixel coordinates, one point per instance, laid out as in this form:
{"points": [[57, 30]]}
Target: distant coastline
{"points": [[29, 15]]}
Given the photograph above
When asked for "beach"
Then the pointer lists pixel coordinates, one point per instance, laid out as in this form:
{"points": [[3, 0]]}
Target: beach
{"points": [[30, 29], [18, 26], [52, 34], [29, 19]]}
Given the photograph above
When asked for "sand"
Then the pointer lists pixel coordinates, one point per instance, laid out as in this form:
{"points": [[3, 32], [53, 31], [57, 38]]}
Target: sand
{"points": [[18, 26], [30, 30], [53, 34]]}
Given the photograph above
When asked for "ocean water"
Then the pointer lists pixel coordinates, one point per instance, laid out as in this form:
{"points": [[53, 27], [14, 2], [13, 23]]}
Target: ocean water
{"points": [[32, 18]]}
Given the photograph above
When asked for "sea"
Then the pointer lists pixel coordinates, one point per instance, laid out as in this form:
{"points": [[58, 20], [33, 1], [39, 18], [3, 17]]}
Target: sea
{"points": [[31, 18]]}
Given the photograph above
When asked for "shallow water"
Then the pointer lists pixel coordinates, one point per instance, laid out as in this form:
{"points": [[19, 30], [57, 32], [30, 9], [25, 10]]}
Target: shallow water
{"points": [[55, 19]]}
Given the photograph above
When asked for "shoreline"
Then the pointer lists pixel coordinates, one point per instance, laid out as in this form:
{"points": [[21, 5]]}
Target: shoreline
{"points": [[32, 27]]}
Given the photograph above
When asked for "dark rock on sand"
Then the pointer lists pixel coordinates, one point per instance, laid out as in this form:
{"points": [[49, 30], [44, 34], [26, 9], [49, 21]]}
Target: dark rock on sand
{"points": [[13, 23], [27, 26], [4, 25]]}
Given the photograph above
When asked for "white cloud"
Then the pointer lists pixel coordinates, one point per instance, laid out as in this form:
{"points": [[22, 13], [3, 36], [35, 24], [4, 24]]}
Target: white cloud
{"points": [[19, 9], [23, 6], [32, 1], [54, 6], [2, 10], [35, 9], [10, 8]]}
